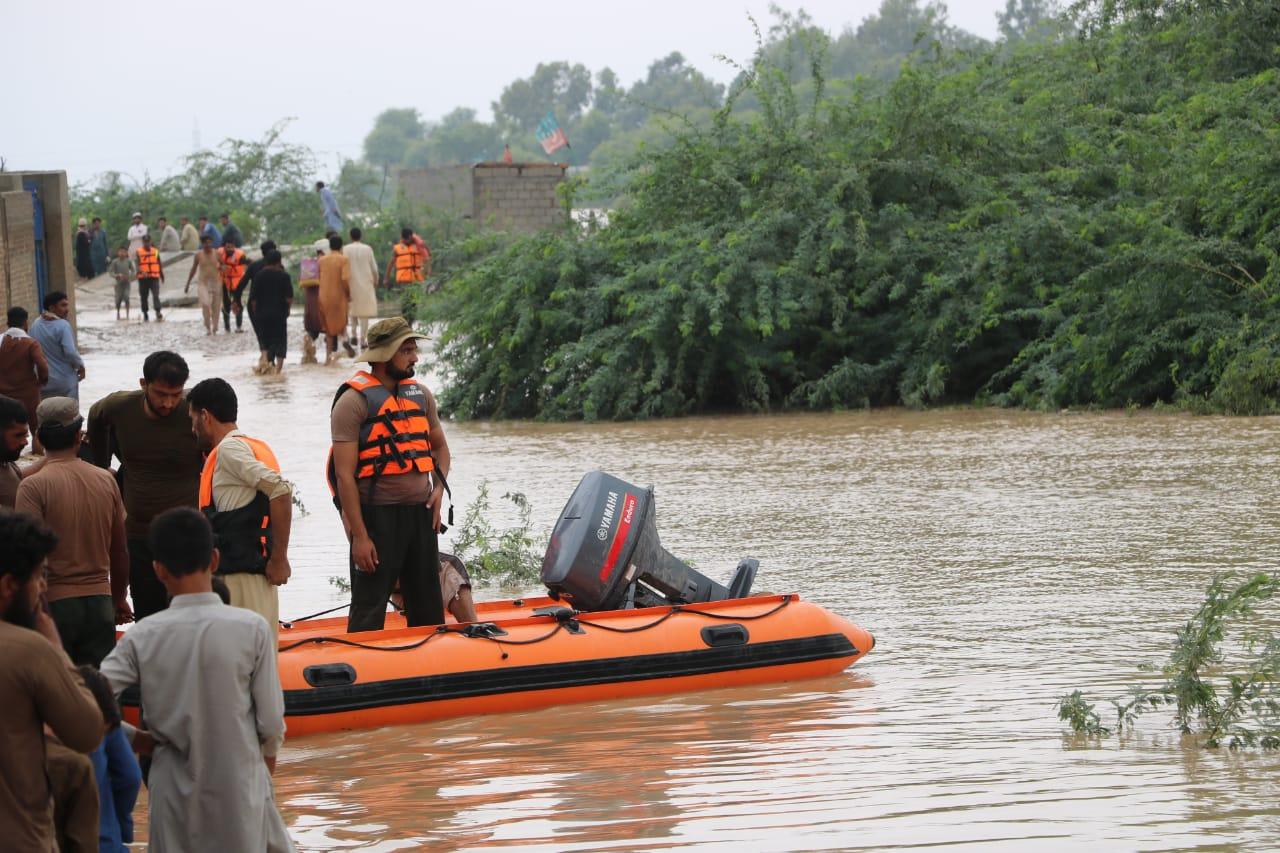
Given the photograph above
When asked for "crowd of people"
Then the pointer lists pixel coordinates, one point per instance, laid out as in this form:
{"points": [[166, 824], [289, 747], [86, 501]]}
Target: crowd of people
{"points": [[154, 508]]}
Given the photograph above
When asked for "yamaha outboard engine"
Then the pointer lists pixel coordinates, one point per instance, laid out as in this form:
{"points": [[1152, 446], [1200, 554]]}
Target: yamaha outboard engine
{"points": [[605, 554]]}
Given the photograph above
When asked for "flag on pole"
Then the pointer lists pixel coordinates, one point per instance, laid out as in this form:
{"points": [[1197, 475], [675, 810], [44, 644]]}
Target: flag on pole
{"points": [[550, 135]]}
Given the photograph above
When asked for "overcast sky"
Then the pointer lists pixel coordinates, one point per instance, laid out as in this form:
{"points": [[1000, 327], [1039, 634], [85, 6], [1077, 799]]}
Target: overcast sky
{"points": [[93, 86]]}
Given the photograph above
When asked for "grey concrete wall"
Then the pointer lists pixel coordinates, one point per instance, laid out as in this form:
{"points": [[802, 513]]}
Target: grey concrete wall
{"points": [[519, 196], [503, 196], [446, 189]]}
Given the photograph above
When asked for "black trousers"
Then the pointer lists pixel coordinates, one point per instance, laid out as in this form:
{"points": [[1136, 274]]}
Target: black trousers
{"points": [[231, 301], [408, 551], [148, 594], [149, 286]]}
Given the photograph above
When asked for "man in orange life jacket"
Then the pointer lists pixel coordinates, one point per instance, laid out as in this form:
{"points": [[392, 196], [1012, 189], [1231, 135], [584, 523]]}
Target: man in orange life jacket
{"points": [[388, 468], [406, 264], [146, 260], [231, 267], [246, 501]]}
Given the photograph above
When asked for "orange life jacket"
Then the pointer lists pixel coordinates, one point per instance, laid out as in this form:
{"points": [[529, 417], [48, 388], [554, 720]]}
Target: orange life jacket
{"points": [[395, 436], [148, 262], [243, 535], [232, 267], [408, 263]]}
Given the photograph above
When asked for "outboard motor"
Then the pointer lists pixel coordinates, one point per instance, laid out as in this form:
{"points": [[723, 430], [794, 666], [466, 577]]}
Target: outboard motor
{"points": [[605, 553]]}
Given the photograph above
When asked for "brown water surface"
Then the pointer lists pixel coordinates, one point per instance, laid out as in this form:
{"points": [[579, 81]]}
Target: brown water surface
{"points": [[1001, 559]]}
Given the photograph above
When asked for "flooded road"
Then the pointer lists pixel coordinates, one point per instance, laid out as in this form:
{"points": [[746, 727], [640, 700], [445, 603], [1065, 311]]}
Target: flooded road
{"points": [[1000, 558]]}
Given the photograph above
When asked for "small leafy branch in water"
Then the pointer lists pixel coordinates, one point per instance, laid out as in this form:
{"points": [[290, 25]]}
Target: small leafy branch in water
{"points": [[1235, 701], [511, 557], [295, 498]]}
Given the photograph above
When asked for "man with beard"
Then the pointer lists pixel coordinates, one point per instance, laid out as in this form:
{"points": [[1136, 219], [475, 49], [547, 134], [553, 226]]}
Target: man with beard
{"points": [[387, 470], [149, 430], [13, 437], [39, 685], [247, 502]]}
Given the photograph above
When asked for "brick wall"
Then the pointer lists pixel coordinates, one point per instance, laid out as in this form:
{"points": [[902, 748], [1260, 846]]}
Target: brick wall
{"points": [[17, 251], [518, 197], [506, 197]]}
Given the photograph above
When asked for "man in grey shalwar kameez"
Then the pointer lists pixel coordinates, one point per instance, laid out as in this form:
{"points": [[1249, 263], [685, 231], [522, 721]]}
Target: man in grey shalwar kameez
{"points": [[212, 700]]}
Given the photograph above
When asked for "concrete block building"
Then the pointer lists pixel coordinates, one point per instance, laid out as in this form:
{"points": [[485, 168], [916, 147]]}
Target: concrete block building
{"points": [[519, 197], [36, 233]]}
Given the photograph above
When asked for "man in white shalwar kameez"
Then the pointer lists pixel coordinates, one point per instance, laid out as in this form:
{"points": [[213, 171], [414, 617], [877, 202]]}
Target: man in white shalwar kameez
{"points": [[364, 287], [212, 700]]}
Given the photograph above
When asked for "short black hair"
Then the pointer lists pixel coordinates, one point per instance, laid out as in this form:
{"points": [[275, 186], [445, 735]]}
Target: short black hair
{"points": [[24, 543], [102, 694], [335, 243], [220, 589], [406, 233], [273, 257], [356, 233], [52, 298], [203, 216], [12, 412], [319, 185], [181, 540], [167, 367], [59, 436], [97, 219], [17, 315], [267, 246], [224, 215], [215, 396]]}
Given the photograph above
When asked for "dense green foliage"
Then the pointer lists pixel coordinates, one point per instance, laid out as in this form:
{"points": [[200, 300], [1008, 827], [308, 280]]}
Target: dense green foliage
{"points": [[1069, 221], [510, 557], [1220, 697], [266, 185]]}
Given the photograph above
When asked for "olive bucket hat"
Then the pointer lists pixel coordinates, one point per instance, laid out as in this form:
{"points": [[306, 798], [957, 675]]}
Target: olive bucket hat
{"points": [[385, 337]]}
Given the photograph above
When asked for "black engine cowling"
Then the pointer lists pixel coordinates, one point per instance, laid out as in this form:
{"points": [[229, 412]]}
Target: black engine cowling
{"points": [[605, 553]]}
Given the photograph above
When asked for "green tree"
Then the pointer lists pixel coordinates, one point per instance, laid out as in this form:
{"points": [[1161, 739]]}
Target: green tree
{"points": [[394, 132], [556, 87]]}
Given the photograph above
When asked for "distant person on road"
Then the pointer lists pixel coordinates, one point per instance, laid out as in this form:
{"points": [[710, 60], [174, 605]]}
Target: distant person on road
{"points": [[52, 331], [149, 430], [231, 262], [312, 321], [230, 233], [209, 684], [169, 240], [23, 367], [270, 300], [150, 275], [405, 266], [83, 249], [248, 503], [332, 216], [122, 272], [364, 287], [335, 299], [190, 238], [136, 232], [88, 571], [98, 249], [207, 229], [207, 264]]}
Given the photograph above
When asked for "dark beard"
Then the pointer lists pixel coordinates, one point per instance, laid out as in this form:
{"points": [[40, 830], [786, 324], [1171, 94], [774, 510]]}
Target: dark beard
{"points": [[18, 613], [397, 374], [7, 455]]}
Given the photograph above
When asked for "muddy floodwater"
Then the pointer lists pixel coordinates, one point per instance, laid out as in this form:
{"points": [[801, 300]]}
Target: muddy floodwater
{"points": [[1000, 558]]}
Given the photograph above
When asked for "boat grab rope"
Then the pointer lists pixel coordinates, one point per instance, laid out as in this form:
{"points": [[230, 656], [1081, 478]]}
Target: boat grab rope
{"points": [[563, 620]]}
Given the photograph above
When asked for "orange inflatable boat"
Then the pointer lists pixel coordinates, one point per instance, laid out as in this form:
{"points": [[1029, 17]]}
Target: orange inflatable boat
{"points": [[534, 653]]}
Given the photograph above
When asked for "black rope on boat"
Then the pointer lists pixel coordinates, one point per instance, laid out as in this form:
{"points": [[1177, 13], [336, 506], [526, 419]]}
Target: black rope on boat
{"points": [[560, 626], [290, 623], [786, 599]]}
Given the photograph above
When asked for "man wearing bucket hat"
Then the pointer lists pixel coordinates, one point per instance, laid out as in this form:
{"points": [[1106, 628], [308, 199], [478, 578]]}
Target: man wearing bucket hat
{"points": [[387, 471]]}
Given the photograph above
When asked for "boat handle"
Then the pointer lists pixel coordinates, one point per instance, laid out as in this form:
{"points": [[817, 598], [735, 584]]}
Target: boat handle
{"points": [[330, 675], [732, 634]]}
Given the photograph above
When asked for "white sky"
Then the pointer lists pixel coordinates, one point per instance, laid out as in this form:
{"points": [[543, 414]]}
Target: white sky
{"points": [[93, 86]]}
